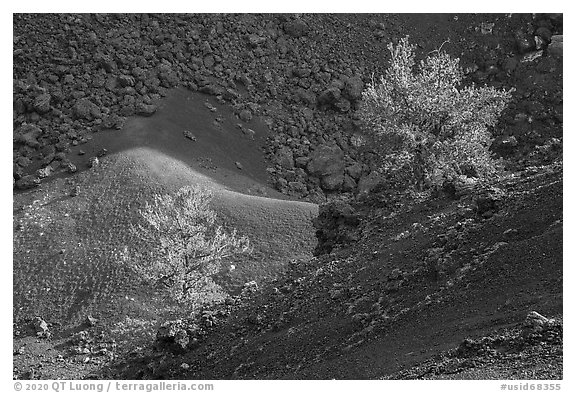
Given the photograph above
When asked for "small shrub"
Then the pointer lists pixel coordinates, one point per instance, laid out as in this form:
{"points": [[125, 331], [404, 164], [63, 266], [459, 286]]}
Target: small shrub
{"points": [[189, 244], [428, 126]]}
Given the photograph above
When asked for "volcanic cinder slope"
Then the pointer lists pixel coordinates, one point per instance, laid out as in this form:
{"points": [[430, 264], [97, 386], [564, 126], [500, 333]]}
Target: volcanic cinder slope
{"points": [[73, 254]]}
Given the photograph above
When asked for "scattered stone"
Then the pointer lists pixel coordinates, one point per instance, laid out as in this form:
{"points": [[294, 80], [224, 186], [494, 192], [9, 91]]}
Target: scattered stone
{"points": [[28, 134], [239, 165], [40, 327], [42, 103], [70, 168], [510, 64], [189, 135], [101, 153], [535, 323], [75, 191], [44, 172], [93, 162], [249, 132], [211, 107]]}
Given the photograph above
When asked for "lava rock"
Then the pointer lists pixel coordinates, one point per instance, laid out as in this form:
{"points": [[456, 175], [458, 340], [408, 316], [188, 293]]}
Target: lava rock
{"points": [[27, 182], [330, 96], [336, 224], [353, 88], [510, 64], [332, 182], [545, 34], [86, 109], [325, 161], [28, 134], [42, 103], [296, 28], [91, 321], [40, 327], [189, 135], [535, 323], [245, 115], [93, 162], [173, 333], [284, 157], [44, 172], [146, 109]]}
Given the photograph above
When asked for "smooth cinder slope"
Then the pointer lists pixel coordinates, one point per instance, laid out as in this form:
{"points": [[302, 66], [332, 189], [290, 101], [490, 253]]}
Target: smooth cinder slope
{"points": [[72, 255]]}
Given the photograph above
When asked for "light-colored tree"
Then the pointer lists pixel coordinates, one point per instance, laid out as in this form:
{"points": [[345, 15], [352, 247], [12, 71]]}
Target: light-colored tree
{"points": [[188, 243], [427, 122]]}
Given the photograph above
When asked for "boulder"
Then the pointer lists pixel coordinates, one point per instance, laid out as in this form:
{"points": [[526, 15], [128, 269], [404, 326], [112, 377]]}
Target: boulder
{"points": [[85, 109], [245, 115], [284, 157], [326, 161], [173, 333]]}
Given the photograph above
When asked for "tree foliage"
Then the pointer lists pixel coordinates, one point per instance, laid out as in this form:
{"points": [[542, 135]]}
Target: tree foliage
{"points": [[428, 126], [188, 243]]}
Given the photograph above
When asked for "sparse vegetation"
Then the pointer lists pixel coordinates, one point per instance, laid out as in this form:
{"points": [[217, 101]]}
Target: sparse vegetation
{"points": [[428, 126], [190, 245]]}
